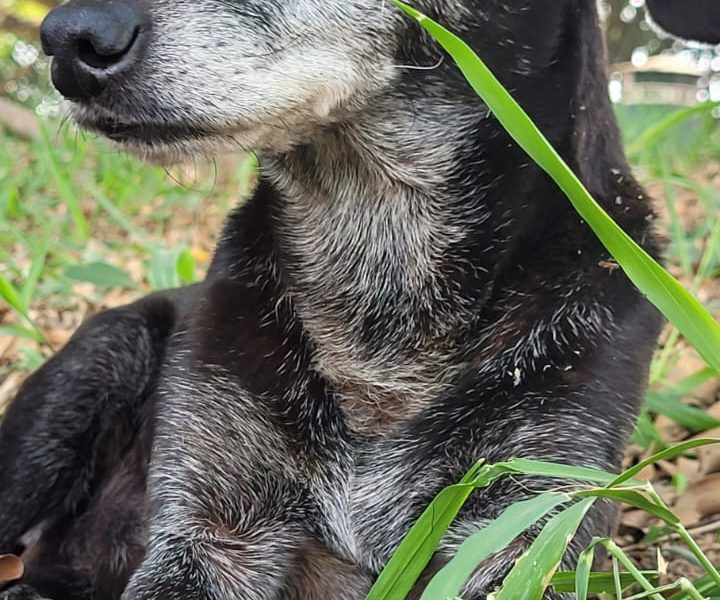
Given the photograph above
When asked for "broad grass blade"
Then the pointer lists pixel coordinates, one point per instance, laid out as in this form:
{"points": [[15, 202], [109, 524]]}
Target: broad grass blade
{"points": [[527, 466], [417, 548], [11, 296], [100, 274], [705, 585], [687, 314], [496, 536], [582, 573], [599, 582], [685, 415], [533, 571], [64, 187], [660, 129], [636, 499], [670, 452]]}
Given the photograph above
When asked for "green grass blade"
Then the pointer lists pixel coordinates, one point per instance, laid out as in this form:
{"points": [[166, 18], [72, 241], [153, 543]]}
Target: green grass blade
{"points": [[663, 290], [689, 417], [115, 213], [101, 274], [654, 134], [22, 332], [533, 571], [496, 536], [37, 264], [645, 433], [599, 582], [670, 452], [415, 551], [12, 296], [635, 499], [705, 585], [526, 466], [678, 236], [14, 299], [582, 573], [185, 267], [687, 385], [64, 187]]}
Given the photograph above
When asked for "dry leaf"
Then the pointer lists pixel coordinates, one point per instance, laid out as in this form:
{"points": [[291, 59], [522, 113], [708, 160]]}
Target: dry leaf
{"points": [[57, 337], [647, 474], [662, 564], [636, 518], [6, 344], [11, 568], [700, 499], [669, 429], [19, 120], [690, 467], [709, 456], [714, 410]]}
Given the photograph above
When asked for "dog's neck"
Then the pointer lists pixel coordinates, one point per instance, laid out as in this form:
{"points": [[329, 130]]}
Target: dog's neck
{"points": [[388, 239]]}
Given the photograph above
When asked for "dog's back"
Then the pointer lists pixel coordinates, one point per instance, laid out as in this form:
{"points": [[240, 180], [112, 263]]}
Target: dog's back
{"points": [[405, 294]]}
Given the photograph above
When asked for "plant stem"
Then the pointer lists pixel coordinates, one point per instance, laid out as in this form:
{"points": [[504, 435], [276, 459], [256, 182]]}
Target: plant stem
{"points": [[660, 589], [699, 554], [617, 552], [679, 528], [616, 578], [687, 586]]}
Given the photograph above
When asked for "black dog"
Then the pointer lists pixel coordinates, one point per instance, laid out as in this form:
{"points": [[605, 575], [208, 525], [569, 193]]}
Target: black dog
{"points": [[405, 293]]}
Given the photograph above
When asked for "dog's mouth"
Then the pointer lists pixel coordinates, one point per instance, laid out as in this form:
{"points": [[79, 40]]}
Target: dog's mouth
{"points": [[146, 133]]}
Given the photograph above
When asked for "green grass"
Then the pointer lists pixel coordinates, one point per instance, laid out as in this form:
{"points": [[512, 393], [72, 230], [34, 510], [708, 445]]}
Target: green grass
{"points": [[74, 211]]}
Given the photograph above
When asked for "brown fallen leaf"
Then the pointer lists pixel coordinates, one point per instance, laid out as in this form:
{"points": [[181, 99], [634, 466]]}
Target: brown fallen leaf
{"points": [[6, 344], [647, 474], [714, 410], [19, 120], [57, 337], [11, 568], [669, 430], [636, 518], [700, 499], [709, 456], [682, 465]]}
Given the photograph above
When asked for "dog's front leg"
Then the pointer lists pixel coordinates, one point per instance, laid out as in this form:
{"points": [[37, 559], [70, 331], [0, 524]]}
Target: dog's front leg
{"points": [[227, 504], [84, 403]]}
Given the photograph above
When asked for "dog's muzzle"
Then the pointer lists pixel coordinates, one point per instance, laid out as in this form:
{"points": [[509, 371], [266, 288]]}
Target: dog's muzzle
{"points": [[93, 43]]}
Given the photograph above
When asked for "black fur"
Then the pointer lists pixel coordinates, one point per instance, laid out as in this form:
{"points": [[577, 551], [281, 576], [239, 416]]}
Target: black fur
{"points": [[270, 475]]}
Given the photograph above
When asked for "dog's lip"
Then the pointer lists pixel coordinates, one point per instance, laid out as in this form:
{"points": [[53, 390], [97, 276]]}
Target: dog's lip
{"points": [[144, 132]]}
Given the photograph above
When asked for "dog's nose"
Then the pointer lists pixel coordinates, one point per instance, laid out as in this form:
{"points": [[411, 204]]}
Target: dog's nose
{"points": [[91, 42]]}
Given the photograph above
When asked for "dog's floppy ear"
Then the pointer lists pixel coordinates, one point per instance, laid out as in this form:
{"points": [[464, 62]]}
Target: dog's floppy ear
{"points": [[697, 20]]}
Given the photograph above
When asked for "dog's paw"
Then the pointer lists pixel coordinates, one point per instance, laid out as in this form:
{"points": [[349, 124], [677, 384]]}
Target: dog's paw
{"points": [[20, 592]]}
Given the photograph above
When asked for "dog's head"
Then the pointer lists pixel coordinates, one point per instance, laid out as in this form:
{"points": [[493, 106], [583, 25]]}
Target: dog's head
{"points": [[168, 78], [181, 76]]}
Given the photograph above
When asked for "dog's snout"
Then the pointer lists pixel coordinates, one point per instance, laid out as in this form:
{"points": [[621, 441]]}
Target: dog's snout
{"points": [[91, 43]]}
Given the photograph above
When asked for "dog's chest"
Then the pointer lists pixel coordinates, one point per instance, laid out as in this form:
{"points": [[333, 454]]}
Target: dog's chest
{"points": [[371, 507], [372, 409], [363, 519], [377, 390]]}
